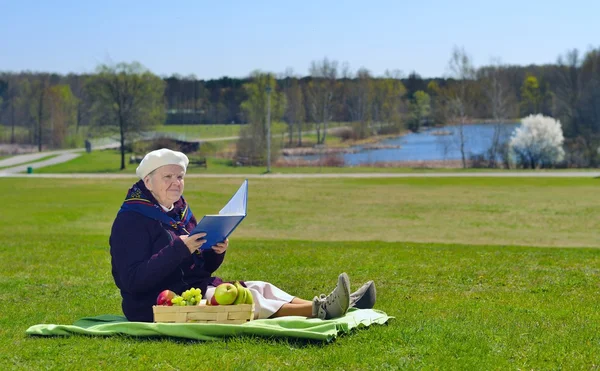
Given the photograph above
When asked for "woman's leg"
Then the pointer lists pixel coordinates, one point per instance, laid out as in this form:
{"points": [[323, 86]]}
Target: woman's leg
{"points": [[292, 309], [268, 298], [297, 300]]}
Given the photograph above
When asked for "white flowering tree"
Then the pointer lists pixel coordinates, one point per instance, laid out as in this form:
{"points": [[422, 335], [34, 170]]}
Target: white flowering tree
{"points": [[537, 142]]}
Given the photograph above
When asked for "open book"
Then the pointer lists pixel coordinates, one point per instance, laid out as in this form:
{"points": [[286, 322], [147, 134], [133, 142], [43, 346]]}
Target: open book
{"points": [[218, 227]]}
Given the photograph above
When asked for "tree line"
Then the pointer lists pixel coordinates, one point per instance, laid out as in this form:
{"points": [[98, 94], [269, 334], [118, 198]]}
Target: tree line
{"points": [[49, 110]]}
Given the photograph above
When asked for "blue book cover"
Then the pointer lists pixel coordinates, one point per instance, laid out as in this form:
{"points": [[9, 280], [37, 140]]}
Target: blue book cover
{"points": [[219, 226]]}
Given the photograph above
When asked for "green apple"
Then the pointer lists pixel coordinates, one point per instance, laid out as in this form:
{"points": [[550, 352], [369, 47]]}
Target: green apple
{"points": [[225, 293]]}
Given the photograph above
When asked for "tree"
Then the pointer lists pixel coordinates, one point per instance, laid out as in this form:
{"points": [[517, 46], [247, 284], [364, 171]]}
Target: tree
{"points": [[294, 112], [252, 144], [388, 103], [420, 109], [360, 101], [82, 103], [459, 100], [499, 101], [531, 96], [537, 142], [62, 106], [126, 98], [320, 94], [38, 110]]}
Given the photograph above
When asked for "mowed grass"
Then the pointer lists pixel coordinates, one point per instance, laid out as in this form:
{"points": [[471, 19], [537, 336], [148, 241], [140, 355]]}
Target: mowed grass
{"points": [[475, 301]]}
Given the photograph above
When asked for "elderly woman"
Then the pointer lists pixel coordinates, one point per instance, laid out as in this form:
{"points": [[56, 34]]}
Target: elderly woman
{"points": [[152, 251]]}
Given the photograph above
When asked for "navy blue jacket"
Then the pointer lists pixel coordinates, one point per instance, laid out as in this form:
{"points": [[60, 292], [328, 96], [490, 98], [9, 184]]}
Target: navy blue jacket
{"points": [[149, 257]]}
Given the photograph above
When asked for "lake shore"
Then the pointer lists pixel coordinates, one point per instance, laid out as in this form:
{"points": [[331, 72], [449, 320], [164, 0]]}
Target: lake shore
{"points": [[333, 160], [309, 151]]}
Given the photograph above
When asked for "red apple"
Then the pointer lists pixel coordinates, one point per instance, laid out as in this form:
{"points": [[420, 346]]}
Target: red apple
{"points": [[164, 298], [225, 293], [213, 301]]}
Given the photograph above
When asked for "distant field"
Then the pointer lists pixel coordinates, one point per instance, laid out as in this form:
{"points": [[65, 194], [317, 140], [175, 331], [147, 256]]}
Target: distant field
{"points": [[513, 211]]}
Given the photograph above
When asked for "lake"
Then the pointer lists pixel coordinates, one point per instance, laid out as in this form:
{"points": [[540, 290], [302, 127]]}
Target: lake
{"points": [[427, 145]]}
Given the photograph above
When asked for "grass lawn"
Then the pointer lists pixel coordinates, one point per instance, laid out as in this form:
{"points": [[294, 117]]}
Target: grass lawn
{"points": [[442, 252]]}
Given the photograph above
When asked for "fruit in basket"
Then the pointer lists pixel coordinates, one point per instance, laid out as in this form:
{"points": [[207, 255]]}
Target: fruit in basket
{"points": [[225, 293], [249, 298], [213, 300], [241, 296], [192, 296], [165, 297], [178, 301], [188, 297]]}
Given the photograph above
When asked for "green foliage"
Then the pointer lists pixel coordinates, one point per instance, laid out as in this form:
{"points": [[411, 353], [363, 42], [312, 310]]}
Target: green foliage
{"points": [[128, 99], [531, 96], [420, 110], [261, 92], [388, 103]]}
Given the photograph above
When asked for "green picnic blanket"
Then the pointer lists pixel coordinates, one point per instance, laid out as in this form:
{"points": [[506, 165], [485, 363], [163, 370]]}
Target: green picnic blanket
{"points": [[290, 327]]}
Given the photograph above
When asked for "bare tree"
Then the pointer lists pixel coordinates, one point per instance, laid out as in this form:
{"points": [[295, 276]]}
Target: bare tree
{"points": [[569, 89], [294, 113], [359, 102], [83, 106], [500, 100], [38, 107], [461, 68], [320, 94]]}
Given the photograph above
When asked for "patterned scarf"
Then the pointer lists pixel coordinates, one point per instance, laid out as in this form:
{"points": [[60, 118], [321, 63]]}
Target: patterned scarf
{"points": [[140, 200]]}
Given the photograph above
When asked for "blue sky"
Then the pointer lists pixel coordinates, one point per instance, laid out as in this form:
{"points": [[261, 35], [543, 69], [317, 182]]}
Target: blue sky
{"points": [[211, 39]]}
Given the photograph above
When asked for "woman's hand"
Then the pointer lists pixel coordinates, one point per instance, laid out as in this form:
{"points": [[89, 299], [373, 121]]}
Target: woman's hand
{"points": [[221, 247], [194, 242]]}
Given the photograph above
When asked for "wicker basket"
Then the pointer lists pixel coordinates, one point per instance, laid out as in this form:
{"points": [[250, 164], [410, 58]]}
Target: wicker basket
{"points": [[227, 314]]}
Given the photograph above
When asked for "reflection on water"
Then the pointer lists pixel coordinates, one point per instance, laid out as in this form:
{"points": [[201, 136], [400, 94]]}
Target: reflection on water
{"points": [[430, 146]]}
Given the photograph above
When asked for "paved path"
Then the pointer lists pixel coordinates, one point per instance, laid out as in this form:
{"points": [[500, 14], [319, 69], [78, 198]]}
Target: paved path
{"points": [[20, 163], [507, 174], [29, 157], [64, 157]]}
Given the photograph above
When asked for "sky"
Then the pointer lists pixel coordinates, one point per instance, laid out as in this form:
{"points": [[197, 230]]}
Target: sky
{"points": [[211, 39]]}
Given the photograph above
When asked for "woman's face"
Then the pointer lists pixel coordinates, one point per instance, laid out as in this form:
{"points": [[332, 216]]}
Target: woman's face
{"points": [[166, 184]]}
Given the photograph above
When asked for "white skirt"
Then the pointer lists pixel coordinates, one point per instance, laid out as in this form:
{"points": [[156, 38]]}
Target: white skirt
{"points": [[268, 298]]}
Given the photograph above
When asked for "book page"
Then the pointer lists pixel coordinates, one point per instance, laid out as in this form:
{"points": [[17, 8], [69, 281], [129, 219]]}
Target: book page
{"points": [[237, 204]]}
